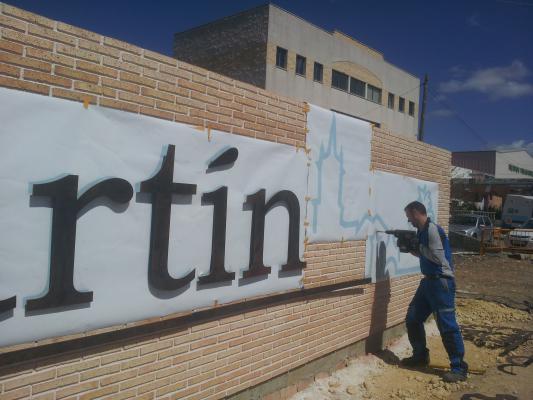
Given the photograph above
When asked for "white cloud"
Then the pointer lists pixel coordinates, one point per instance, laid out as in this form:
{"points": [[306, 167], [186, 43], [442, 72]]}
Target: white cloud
{"points": [[439, 97], [441, 112], [517, 145], [497, 83], [458, 71], [473, 21]]}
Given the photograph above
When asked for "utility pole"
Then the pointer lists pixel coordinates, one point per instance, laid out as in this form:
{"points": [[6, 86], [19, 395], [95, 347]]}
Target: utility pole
{"points": [[422, 114]]}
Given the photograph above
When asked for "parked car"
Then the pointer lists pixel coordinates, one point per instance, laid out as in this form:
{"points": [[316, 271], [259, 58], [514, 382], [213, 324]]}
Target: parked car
{"points": [[470, 225], [522, 236]]}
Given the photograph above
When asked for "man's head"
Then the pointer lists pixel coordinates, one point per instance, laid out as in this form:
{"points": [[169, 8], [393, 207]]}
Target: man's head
{"points": [[416, 214]]}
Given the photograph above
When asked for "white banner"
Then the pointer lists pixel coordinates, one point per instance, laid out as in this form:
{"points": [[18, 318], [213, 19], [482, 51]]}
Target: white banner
{"points": [[43, 139], [339, 176], [56, 163], [389, 195]]}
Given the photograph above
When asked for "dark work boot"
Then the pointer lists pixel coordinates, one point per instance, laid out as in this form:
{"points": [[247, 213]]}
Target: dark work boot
{"points": [[415, 361], [456, 375]]}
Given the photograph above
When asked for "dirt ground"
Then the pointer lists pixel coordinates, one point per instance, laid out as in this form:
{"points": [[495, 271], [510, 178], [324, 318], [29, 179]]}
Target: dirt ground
{"points": [[496, 277], [498, 340]]}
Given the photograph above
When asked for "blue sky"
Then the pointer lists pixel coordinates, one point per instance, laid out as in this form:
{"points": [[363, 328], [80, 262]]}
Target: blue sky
{"points": [[478, 54]]}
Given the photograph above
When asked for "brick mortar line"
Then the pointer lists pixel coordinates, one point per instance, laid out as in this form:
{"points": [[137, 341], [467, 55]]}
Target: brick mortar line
{"points": [[99, 97], [168, 322]]}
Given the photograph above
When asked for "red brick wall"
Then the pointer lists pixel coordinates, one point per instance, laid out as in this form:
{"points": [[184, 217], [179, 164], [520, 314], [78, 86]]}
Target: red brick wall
{"points": [[54, 59], [419, 160]]}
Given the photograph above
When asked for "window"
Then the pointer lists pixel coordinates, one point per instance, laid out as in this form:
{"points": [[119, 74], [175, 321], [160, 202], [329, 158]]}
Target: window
{"points": [[401, 104], [281, 58], [300, 65], [357, 87], [318, 72], [391, 101], [373, 94], [339, 80], [411, 109]]}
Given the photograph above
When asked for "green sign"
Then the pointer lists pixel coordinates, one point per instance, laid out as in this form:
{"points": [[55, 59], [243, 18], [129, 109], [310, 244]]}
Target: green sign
{"points": [[518, 170]]}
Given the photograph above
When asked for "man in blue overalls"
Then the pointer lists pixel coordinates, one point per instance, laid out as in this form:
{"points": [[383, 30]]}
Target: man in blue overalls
{"points": [[435, 294]]}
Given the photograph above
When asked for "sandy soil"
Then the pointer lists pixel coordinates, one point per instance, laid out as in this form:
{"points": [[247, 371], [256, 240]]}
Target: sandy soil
{"points": [[496, 277], [499, 371]]}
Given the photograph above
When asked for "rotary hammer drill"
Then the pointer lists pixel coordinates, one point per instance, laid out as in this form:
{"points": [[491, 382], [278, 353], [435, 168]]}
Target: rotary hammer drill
{"points": [[407, 240]]}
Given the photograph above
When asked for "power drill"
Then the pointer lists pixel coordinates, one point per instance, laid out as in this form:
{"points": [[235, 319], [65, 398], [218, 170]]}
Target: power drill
{"points": [[407, 240]]}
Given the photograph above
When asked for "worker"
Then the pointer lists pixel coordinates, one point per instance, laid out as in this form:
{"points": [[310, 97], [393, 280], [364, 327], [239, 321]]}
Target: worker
{"points": [[435, 294]]}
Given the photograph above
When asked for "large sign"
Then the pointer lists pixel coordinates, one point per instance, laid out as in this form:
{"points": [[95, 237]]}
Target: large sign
{"points": [[108, 217]]}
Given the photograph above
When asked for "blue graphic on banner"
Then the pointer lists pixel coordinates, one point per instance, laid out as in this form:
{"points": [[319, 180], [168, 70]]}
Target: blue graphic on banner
{"points": [[396, 263], [331, 149], [392, 263]]}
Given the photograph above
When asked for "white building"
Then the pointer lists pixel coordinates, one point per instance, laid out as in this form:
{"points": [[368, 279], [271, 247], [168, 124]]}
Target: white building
{"points": [[280, 52], [509, 164]]}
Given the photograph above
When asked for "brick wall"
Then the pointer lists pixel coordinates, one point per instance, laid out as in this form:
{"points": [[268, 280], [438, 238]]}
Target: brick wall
{"points": [[55, 59], [406, 156], [224, 355], [235, 46]]}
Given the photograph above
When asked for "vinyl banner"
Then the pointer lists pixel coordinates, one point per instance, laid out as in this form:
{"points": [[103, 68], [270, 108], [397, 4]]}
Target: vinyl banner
{"points": [[339, 176], [163, 217], [389, 195]]}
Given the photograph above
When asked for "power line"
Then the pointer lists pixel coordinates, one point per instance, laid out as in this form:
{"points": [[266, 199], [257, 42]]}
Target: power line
{"points": [[456, 114], [467, 125]]}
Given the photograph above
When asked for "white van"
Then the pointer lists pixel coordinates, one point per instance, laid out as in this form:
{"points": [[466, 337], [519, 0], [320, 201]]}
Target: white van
{"points": [[517, 210]]}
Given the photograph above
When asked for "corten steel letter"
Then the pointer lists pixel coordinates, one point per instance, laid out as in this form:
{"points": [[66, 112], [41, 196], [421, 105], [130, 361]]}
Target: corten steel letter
{"points": [[257, 236], [291, 203], [225, 159], [8, 304], [66, 207], [217, 272], [161, 188]]}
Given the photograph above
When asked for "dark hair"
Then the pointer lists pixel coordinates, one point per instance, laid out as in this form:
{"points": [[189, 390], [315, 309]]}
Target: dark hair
{"points": [[416, 206]]}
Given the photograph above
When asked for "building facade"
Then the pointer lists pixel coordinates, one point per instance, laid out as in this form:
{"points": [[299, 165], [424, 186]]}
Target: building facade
{"points": [[487, 177], [510, 164], [280, 52]]}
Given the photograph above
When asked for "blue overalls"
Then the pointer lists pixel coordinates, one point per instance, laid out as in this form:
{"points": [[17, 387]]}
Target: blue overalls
{"points": [[435, 294]]}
